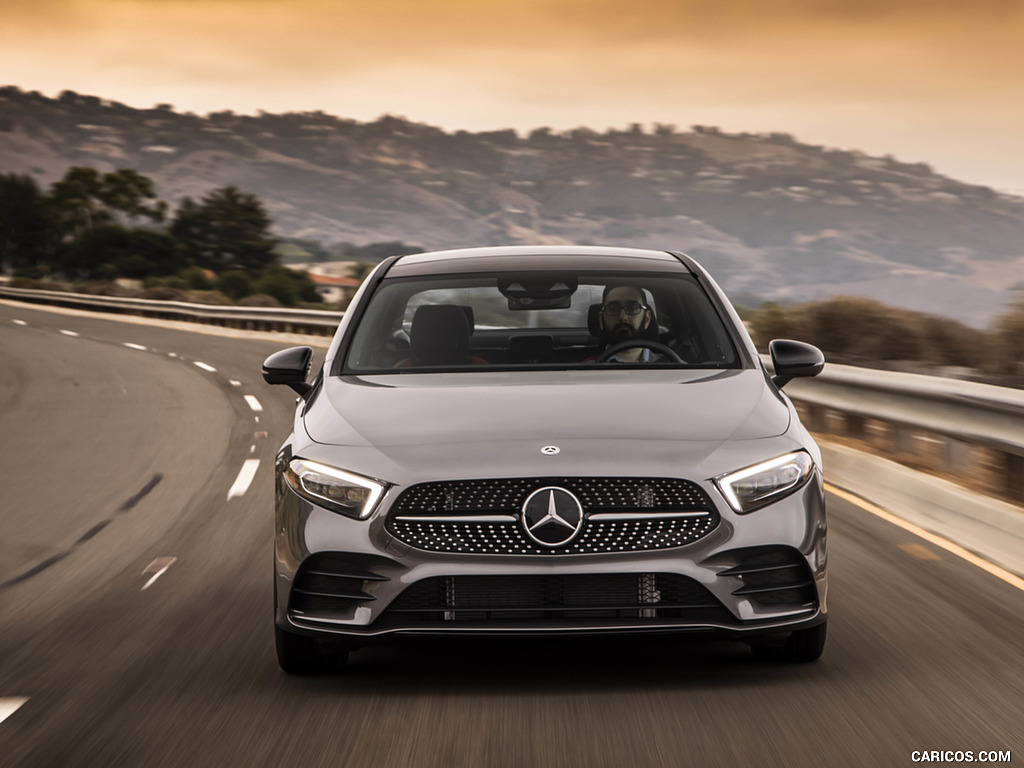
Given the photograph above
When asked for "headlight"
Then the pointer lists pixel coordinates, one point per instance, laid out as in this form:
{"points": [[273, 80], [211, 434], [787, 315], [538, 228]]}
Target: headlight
{"points": [[335, 489], [753, 487]]}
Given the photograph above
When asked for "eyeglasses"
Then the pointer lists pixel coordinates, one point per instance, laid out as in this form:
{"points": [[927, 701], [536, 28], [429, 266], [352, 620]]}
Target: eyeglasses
{"points": [[633, 308]]}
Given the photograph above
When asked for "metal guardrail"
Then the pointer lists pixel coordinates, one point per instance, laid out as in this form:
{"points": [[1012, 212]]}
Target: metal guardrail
{"points": [[973, 431], [308, 321], [970, 430]]}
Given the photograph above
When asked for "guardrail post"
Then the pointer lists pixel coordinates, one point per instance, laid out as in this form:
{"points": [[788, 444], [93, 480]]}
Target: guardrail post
{"points": [[904, 440], [1014, 476], [812, 416], [854, 425], [878, 434], [933, 449], [835, 423], [961, 458]]}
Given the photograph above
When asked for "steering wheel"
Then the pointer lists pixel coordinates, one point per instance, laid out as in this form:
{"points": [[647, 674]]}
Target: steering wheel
{"points": [[656, 346]]}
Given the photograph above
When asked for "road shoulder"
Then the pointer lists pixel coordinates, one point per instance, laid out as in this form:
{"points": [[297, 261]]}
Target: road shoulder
{"points": [[992, 528]]}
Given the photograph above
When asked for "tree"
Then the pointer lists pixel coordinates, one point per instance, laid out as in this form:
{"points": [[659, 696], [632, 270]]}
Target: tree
{"points": [[113, 251], [74, 203], [288, 286], [85, 199], [235, 284], [90, 213], [23, 224], [227, 230], [126, 191]]}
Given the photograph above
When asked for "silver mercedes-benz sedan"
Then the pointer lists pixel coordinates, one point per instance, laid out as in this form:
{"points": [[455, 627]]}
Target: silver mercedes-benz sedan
{"points": [[546, 440]]}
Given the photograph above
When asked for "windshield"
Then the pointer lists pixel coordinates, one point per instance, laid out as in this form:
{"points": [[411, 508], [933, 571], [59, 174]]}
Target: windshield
{"points": [[539, 320]]}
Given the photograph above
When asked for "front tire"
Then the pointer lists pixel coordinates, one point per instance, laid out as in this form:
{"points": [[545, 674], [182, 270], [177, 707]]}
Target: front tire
{"points": [[302, 655], [801, 647]]}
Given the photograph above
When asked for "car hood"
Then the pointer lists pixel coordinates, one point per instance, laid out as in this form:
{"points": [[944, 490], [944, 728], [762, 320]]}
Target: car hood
{"points": [[396, 412]]}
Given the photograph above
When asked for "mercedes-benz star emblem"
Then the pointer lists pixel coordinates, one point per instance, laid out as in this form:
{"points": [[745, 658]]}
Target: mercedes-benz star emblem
{"points": [[552, 516], [550, 450]]}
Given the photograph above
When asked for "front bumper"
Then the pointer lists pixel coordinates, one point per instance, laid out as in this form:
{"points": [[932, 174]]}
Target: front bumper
{"points": [[759, 574]]}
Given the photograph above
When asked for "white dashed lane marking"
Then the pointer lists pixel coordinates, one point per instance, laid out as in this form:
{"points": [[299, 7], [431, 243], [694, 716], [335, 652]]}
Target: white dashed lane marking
{"points": [[244, 479], [19, 322], [9, 706], [69, 333], [135, 346], [235, 383], [253, 403], [157, 568], [204, 366]]}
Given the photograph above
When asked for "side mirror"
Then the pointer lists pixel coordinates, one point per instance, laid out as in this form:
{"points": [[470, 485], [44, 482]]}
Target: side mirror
{"points": [[794, 358], [289, 366]]}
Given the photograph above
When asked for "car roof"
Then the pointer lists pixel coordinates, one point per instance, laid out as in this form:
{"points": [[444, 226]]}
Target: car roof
{"points": [[535, 257]]}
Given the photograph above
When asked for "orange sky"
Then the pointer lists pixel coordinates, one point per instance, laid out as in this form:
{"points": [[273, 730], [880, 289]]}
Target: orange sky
{"points": [[938, 81]]}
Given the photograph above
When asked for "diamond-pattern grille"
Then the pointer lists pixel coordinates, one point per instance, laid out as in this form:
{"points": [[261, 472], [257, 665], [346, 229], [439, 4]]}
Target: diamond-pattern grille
{"points": [[484, 516]]}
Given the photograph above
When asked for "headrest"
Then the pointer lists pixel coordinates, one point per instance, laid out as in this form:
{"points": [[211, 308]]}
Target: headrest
{"points": [[469, 315], [440, 334]]}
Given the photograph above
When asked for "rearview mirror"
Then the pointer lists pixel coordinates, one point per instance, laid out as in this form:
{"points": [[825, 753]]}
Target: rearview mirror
{"points": [[794, 358], [289, 366], [538, 291]]}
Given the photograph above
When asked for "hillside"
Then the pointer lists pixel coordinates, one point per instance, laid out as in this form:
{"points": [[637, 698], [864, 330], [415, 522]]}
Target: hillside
{"points": [[771, 217]]}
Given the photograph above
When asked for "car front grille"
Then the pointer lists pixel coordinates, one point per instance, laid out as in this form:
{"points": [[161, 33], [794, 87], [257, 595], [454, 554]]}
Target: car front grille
{"points": [[485, 516], [565, 599]]}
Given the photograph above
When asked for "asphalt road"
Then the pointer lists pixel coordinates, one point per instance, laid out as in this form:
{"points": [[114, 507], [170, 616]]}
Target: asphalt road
{"points": [[114, 456]]}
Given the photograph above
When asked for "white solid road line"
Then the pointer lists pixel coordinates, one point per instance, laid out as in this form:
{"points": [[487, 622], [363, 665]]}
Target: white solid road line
{"points": [[253, 403], [157, 568], [135, 346], [954, 549], [244, 479], [204, 366], [9, 706], [19, 322], [69, 333]]}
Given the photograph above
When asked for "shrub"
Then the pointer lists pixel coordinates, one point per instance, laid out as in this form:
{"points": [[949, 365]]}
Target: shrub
{"points": [[856, 330], [195, 279], [208, 297], [1008, 340], [164, 293], [235, 284], [259, 300]]}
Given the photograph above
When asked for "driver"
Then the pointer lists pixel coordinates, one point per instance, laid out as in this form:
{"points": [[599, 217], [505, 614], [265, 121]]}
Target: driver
{"points": [[625, 315]]}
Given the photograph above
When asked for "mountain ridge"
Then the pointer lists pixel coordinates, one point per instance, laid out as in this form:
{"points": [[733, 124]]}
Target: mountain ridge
{"points": [[773, 219]]}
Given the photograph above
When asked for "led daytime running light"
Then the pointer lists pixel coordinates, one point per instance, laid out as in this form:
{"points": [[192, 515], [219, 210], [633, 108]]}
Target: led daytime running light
{"points": [[308, 477], [753, 487]]}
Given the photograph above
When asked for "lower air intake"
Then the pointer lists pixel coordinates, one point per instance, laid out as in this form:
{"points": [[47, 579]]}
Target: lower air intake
{"points": [[561, 599], [773, 577]]}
